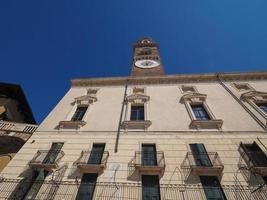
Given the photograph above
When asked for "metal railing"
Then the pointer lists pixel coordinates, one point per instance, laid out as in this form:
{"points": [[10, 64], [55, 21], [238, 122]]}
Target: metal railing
{"points": [[209, 160], [148, 159], [17, 127], [90, 160], [255, 161], [202, 164], [40, 159], [144, 162], [16, 189]]}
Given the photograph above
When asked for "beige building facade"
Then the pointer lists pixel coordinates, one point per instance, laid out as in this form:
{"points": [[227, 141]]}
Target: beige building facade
{"points": [[148, 136]]}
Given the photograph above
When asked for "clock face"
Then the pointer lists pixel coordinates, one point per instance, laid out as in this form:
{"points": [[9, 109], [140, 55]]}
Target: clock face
{"points": [[146, 64]]}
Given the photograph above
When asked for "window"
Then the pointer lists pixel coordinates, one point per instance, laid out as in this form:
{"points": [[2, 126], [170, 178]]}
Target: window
{"points": [[200, 155], [96, 154], [149, 155], [263, 107], [253, 154], [53, 152], [87, 187], [150, 187], [37, 183], [212, 188], [137, 112], [200, 112], [79, 113]]}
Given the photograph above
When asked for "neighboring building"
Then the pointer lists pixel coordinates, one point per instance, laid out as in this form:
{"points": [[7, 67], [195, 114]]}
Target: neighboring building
{"points": [[16, 121], [149, 136]]}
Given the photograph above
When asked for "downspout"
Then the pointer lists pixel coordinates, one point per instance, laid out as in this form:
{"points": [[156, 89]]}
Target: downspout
{"points": [[121, 114], [241, 103]]}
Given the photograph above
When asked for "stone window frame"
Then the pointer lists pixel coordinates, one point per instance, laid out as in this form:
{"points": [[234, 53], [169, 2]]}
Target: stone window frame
{"points": [[183, 89], [189, 99], [253, 98], [81, 101], [137, 97], [238, 87]]}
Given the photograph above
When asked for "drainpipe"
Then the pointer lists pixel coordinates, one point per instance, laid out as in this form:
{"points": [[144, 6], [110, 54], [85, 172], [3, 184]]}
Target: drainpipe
{"points": [[122, 110], [241, 103]]}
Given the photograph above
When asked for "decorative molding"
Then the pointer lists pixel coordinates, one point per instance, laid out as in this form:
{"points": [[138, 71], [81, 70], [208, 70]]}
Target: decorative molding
{"points": [[136, 124], [137, 98], [197, 98], [206, 124], [138, 90], [71, 124], [253, 98], [168, 79], [92, 91], [188, 89], [256, 96], [85, 100], [242, 87], [193, 98]]}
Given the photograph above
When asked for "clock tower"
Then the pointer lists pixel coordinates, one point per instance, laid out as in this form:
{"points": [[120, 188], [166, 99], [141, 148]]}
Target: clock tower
{"points": [[146, 58]]}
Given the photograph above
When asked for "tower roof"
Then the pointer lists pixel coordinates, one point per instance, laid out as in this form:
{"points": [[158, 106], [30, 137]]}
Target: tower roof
{"points": [[145, 42]]}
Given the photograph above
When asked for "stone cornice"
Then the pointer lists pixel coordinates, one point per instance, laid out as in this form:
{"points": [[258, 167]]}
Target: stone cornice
{"points": [[169, 79]]}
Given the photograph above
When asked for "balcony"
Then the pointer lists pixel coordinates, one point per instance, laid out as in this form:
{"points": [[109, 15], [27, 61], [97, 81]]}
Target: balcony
{"points": [[17, 127], [87, 164], [206, 164], [255, 162], [45, 159], [140, 165]]}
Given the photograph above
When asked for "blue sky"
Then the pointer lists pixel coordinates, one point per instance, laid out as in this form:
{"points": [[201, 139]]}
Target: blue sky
{"points": [[44, 44]]}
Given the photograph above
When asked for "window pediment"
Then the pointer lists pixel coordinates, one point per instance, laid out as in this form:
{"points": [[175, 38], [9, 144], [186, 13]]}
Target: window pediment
{"points": [[255, 96], [137, 98], [193, 98], [85, 100]]}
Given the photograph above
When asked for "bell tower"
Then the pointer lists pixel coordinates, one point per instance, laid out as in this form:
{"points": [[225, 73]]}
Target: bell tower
{"points": [[146, 58]]}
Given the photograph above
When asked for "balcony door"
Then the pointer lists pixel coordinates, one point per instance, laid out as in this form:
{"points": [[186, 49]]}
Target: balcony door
{"points": [[36, 184], [255, 154], [96, 154], [150, 187], [87, 187], [200, 155], [212, 188], [53, 152], [149, 155]]}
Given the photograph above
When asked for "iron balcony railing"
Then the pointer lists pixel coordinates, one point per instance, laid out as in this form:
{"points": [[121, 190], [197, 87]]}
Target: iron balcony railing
{"points": [[256, 162], [44, 159], [147, 163], [16, 189], [92, 162], [202, 164]]}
